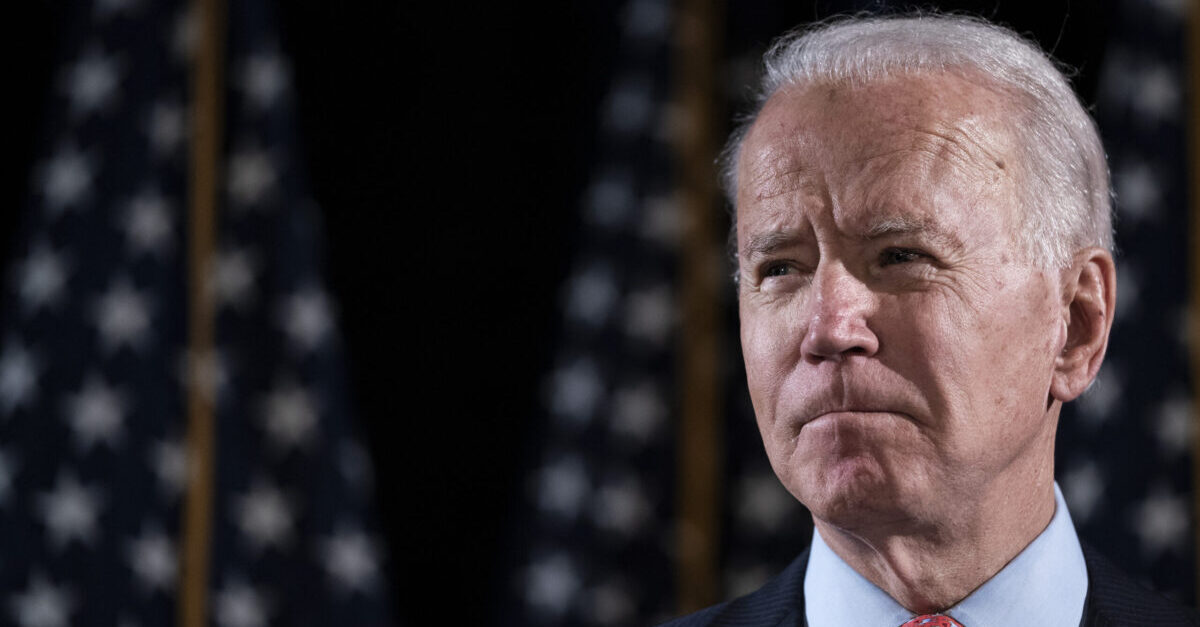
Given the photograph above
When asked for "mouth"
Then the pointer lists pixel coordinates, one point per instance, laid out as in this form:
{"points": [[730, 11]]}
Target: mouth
{"points": [[850, 413]]}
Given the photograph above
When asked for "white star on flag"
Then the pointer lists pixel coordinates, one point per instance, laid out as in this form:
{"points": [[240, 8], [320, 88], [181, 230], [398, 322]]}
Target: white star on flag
{"points": [[1083, 488], [42, 604], [239, 605], [630, 105], [611, 604], [233, 278], [661, 221], [167, 127], [638, 411], [650, 314], [151, 557], [251, 176], [591, 295], [147, 223], [552, 583], [1129, 277], [1173, 425], [576, 390], [1158, 95], [185, 32], [349, 558], [96, 413], [307, 318], [1138, 191], [264, 78], [561, 487], [621, 507], [91, 84], [18, 376], [289, 416], [122, 317], [1097, 402], [66, 179], [1161, 522], [70, 511], [264, 516], [41, 278], [168, 460], [763, 503], [610, 198]]}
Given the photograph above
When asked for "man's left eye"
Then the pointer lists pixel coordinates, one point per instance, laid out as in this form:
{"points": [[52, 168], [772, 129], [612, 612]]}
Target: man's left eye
{"points": [[893, 256]]}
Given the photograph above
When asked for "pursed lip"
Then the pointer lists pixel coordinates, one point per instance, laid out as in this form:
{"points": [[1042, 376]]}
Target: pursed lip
{"points": [[850, 410]]}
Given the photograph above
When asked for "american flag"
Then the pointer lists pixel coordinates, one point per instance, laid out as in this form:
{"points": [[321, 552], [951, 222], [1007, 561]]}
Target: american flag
{"points": [[1125, 449], [597, 501], [597, 541], [94, 365]]}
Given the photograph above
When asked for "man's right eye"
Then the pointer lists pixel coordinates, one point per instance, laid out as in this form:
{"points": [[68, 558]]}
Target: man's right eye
{"points": [[777, 269]]}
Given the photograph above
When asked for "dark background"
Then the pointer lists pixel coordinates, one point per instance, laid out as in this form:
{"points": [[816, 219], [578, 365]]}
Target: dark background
{"points": [[447, 146]]}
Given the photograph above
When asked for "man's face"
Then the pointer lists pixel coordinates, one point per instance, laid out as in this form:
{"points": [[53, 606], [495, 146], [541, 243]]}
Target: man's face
{"points": [[899, 346]]}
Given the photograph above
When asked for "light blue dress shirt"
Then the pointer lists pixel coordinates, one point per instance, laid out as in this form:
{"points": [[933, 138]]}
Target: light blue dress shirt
{"points": [[1045, 584]]}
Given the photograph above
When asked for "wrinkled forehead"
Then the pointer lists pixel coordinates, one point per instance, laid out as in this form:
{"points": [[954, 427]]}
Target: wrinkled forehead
{"points": [[910, 137]]}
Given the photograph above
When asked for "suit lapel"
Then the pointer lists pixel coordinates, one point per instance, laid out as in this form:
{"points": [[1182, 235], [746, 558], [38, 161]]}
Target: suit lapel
{"points": [[782, 597], [1114, 599]]}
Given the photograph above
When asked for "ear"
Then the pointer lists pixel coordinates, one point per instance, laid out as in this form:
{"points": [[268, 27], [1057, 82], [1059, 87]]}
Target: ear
{"points": [[1090, 298]]}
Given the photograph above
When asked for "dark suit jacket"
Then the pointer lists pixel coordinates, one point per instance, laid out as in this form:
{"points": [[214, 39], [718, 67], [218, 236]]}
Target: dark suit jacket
{"points": [[1113, 599]]}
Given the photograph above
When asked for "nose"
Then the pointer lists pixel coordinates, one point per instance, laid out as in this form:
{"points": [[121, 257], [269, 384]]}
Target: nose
{"points": [[840, 306]]}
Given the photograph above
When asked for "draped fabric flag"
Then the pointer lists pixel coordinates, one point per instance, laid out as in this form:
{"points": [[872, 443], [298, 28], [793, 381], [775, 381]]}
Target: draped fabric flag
{"points": [[596, 523], [94, 365], [1125, 447]]}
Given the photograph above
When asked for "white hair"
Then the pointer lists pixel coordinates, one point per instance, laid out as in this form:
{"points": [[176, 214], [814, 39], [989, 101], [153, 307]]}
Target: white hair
{"points": [[1066, 196]]}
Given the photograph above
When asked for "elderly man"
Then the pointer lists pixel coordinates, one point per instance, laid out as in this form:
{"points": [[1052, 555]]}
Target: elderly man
{"points": [[925, 276]]}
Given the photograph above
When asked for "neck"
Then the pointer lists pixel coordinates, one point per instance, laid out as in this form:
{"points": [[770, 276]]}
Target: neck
{"points": [[931, 565]]}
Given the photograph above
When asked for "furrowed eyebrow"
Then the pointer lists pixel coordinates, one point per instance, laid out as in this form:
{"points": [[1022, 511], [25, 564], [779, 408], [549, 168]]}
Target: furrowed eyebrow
{"points": [[769, 243], [901, 226], [765, 244], [909, 226]]}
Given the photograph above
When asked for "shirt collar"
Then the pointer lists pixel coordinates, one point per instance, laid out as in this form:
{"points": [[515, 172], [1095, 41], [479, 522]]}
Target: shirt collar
{"points": [[1045, 584]]}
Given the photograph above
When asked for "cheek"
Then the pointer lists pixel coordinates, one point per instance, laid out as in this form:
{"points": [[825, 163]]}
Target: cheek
{"points": [[951, 350], [1025, 342], [1018, 320], [769, 352], [993, 356]]}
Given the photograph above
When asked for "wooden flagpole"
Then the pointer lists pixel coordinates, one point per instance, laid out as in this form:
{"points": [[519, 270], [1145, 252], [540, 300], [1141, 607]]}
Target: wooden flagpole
{"points": [[700, 454], [206, 135]]}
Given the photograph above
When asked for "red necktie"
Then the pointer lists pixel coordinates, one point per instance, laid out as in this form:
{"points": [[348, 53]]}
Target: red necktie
{"points": [[932, 620]]}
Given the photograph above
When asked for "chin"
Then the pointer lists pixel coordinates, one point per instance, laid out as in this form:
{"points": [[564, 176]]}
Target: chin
{"points": [[855, 469], [849, 493]]}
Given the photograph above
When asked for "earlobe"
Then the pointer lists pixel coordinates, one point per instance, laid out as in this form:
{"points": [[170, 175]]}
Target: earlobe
{"points": [[1090, 296]]}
